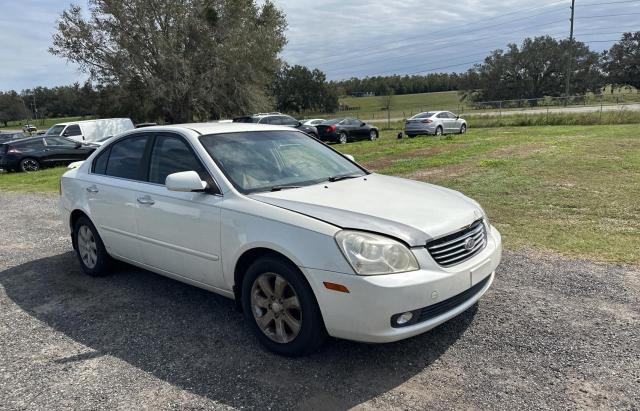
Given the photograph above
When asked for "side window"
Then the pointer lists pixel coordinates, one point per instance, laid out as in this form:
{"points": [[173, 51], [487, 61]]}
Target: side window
{"points": [[172, 155], [289, 121], [100, 163], [276, 120], [73, 130], [59, 141], [442, 115], [126, 159], [451, 115]]}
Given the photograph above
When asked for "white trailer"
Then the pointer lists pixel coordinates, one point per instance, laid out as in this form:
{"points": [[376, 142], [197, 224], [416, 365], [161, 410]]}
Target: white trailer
{"points": [[91, 130]]}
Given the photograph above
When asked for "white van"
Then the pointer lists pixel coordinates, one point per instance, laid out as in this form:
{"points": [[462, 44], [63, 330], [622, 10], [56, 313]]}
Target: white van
{"points": [[91, 130]]}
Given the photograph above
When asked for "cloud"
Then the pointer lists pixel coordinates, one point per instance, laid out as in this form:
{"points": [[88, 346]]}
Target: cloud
{"points": [[347, 38]]}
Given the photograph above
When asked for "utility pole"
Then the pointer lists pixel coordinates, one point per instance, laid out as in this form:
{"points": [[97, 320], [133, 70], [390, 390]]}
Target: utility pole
{"points": [[570, 54]]}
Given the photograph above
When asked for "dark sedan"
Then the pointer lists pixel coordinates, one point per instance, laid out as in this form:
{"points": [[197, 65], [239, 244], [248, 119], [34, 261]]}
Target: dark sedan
{"points": [[343, 130], [31, 154]]}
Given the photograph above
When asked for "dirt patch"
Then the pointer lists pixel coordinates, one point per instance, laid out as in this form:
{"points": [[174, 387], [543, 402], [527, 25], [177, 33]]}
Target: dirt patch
{"points": [[388, 161], [451, 170], [518, 150]]}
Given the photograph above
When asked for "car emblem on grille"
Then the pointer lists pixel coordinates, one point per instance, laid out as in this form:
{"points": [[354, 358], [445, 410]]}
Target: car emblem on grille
{"points": [[469, 244]]}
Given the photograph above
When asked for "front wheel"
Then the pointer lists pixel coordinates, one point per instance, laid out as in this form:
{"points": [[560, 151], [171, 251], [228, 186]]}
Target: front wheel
{"points": [[281, 308], [29, 164], [373, 135], [463, 129], [342, 138]]}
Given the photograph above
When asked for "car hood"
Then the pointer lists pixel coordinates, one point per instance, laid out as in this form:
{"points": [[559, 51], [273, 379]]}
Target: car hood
{"points": [[411, 211]]}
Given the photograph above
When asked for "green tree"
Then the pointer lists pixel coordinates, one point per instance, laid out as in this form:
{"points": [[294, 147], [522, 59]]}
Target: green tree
{"points": [[11, 107], [298, 89], [622, 61], [535, 69], [192, 58]]}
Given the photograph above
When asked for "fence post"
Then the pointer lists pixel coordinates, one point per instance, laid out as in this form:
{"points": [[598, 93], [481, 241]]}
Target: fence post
{"points": [[547, 115], [388, 119], [500, 117], [600, 121]]}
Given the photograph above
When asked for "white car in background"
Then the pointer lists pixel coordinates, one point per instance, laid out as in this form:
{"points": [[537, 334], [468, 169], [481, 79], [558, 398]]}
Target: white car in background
{"points": [[313, 121], [307, 241], [436, 123]]}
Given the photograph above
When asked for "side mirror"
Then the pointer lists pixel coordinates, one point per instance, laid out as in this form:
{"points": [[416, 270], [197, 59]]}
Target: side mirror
{"points": [[78, 145], [350, 157], [65, 134], [185, 181], [363, 124], [299, 123]]}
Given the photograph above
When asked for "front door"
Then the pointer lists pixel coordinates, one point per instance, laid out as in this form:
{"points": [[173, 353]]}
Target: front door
{"points": [[179, 232]]}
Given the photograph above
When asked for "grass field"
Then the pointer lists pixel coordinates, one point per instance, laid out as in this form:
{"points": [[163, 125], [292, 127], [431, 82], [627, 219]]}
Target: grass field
{"points": [[572, 190], [406, 105], [41, 124]]}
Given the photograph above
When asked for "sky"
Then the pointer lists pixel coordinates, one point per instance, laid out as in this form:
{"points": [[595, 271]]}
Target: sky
{"points": [[346, 38]]}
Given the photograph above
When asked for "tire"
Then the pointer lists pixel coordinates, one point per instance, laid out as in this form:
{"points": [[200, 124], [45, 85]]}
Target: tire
{"points": [[373, 135], [463, 129], [29, 164], [343, 138], [93, 256], [300, 330], [439, 131]]}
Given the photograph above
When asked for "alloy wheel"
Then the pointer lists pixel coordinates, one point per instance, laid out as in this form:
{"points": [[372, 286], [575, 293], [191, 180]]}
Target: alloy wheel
{"points": [[373, 135], [87, 247], [276, 307], [29, 164], [343, 138]]}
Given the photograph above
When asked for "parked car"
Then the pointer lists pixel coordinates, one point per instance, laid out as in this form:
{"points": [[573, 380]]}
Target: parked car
{"points": [[33, 153], [29, 128], [91, 130], [436, 123], [277, 119], [343, 130], [308, 242], [4, 137], [313, 121]]}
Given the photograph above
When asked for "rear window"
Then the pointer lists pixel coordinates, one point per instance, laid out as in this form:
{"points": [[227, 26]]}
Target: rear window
{"points": [[333, 121], [424, 115]]}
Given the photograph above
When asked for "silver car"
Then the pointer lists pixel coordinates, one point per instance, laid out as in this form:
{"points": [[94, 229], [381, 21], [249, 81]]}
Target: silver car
{"points": [[436, 123]]}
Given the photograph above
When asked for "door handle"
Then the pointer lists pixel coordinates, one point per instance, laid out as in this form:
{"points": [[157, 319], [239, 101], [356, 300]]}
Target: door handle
{"points": [[92, 189], [146, 200]]}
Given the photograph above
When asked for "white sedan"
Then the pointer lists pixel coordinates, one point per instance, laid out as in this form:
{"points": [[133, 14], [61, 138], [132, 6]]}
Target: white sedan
{"points": [[307, 241]]}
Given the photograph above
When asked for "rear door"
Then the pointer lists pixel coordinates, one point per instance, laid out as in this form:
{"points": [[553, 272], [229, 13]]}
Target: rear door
{"points": [[62, 150], [179, 232], [116, 174]]}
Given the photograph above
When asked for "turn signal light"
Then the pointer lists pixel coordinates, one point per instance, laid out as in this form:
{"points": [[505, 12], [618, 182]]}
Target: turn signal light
{"points": [[336, 287]]}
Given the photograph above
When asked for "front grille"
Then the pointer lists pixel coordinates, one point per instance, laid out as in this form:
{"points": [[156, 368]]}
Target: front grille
{"points": [[460, 246]]}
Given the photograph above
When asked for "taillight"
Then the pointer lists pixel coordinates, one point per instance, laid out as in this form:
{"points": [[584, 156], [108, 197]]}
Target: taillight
{"points": [[331, 128], [427, 121], [13, 150]]}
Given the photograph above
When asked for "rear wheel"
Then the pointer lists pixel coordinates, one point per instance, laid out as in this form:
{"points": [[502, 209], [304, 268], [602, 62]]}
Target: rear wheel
{"points": [[93, 256], [281, 308], [439, 131], [342, 138], [29, 164], [373, 135], [463, 129]]}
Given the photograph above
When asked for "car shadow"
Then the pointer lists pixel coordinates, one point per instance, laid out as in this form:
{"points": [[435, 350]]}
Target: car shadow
{"points": [[197, 340]]}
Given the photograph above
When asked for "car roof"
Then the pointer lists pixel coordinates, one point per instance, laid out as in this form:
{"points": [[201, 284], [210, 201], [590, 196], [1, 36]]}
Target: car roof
{"points": [[89, 121], [216, 128]]}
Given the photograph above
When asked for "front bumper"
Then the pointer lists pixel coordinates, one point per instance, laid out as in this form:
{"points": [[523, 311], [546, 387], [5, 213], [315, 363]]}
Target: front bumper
{"points": [[364, 314]]}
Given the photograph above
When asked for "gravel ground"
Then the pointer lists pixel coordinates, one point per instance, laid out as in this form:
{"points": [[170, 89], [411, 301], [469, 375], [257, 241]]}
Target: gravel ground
{"points": [[551, 333]]}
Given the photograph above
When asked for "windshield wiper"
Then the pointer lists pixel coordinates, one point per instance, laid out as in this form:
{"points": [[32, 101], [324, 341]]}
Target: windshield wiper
{"points": [[343, 177], [283, 187]]}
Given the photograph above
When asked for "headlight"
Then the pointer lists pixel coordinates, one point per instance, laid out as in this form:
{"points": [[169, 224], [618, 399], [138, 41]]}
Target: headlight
{"points": [[371, 254]]}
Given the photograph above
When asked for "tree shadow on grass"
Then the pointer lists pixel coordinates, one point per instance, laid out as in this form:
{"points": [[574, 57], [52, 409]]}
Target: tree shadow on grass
{"points": [[197, 340]]}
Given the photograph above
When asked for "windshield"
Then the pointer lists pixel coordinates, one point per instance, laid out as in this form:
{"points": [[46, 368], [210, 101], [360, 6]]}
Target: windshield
{"points": [[272, 160], [55, 131]]}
